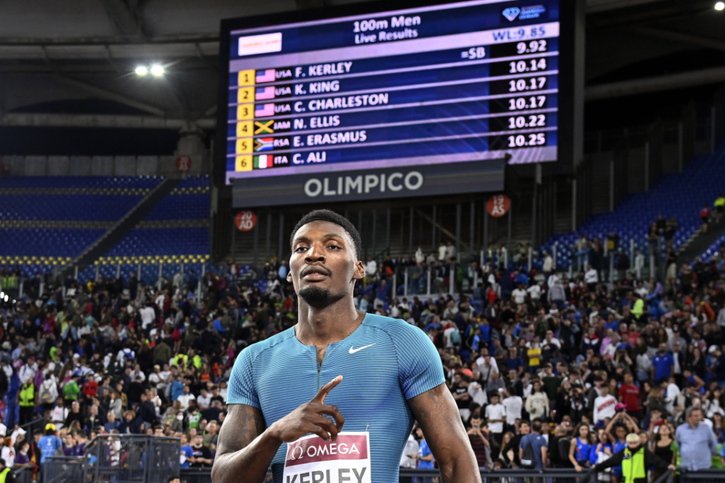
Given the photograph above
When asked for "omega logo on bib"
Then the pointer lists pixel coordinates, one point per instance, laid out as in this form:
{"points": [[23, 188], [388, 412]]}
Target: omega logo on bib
{"points": [[311, 459]]}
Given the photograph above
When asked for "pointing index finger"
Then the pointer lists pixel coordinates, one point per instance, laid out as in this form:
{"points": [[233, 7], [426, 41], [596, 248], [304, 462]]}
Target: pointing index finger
{"points": [[325, 390]]}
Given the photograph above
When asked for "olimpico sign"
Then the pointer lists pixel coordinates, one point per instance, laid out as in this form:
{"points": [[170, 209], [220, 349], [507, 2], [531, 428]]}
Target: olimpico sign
{"points": [[364, 184], [385, 183]]}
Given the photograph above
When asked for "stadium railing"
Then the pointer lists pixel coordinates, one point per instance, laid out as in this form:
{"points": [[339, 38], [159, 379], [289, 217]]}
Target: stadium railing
{"points": [[63, 469], [23, 475], [139, 458], [702, 476]]}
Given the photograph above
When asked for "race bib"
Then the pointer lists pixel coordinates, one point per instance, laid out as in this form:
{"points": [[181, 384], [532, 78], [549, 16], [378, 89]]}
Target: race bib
{"points": [[311, 459]]}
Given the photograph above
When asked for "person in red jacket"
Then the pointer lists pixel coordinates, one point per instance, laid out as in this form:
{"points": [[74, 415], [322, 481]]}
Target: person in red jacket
{"points": [[90, 388], [630, 395]]}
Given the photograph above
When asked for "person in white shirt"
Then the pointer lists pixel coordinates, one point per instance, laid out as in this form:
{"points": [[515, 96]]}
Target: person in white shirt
{"points": [[519, 295], [495, 417], [671, 394], [442, 252], [591, 276], [534, 292], [8, 455], [154, 377], [548, 263], [137, 373], [160, 299], [450, 251], [537, 402], [604, 405], [419, 259], [27, 370], [186, 397], [449, 338], [478, 395], [204, 400], [152, 394], [485, 366], [371, 268], [17, 432], [125, 354], [58, 413], [148, 316], [513, 404], [551, 340], [410, 452], [48, 390]]}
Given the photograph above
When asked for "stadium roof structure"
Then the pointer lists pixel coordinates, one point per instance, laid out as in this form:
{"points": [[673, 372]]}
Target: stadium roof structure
{"points": [[71, 63]]}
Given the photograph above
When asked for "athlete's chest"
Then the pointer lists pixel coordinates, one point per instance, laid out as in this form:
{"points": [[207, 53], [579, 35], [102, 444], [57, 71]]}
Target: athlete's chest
{"points": [[293, 375]]}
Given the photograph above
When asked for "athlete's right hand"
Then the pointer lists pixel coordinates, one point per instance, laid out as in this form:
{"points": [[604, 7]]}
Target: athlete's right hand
{"points": [[314, 417]]}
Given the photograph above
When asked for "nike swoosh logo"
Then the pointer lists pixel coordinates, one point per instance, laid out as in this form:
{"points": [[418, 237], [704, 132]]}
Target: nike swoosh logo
{"points": [[353, 350]]}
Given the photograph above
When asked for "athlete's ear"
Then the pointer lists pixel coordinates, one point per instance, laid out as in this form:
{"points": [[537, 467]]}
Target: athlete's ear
{"points": [[359, 270]]}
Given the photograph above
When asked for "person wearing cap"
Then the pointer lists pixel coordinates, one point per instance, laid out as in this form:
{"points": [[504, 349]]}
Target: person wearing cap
{"points": [[50, 444], [636, 461]]}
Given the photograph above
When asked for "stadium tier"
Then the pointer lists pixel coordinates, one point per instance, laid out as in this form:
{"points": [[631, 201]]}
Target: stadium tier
{"points": [[182, 205], [66, 207], [173, 234], [46, 222], [79, 182], [713, 249], [679, 196], [44, 243], [162, 242]]}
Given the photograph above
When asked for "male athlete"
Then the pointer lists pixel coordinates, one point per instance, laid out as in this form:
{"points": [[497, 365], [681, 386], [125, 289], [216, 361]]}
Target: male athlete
{"points": [[337, 367]]}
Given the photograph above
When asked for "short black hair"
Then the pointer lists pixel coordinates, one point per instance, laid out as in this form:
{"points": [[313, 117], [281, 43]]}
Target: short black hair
{"points": [[332, 217]]}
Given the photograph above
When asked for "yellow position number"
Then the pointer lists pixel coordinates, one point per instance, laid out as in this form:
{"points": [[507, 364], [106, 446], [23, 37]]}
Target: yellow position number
{"points": [[244, 129], [245, 111], [245, 78], [245, 94], [244, 163], [244, 146]]}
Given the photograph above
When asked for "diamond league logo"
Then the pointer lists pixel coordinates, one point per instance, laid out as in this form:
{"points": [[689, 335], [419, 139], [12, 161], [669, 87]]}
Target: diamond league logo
{"points": [[511, 13]]}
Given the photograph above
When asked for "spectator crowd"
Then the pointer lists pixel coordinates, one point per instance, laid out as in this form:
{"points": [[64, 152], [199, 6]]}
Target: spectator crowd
{"points": [[547, 370]]}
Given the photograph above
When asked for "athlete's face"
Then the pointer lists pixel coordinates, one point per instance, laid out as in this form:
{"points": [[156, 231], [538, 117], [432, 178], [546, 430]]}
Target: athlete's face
{"points": [[323, 264]]}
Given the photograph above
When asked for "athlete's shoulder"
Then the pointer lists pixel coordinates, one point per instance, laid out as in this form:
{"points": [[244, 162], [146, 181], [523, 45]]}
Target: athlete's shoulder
{"points": [[276, 341], [402, 334], [242, 381], [389, 324]]}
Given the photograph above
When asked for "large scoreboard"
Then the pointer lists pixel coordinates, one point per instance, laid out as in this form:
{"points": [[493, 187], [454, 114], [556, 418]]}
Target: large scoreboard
{"points": [[388, 100]]}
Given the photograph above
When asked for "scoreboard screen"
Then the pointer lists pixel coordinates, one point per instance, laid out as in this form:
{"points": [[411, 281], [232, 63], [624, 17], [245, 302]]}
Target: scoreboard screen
{"points": [[391, 85]]}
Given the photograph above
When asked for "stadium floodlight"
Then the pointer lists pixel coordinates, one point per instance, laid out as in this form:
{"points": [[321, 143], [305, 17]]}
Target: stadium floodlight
{"points": [[141, 70], [157, 70], [719, 6]]}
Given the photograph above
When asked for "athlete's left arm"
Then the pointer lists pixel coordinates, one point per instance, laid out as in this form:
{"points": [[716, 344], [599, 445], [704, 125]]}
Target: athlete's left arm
{"points": [[440, 420]]}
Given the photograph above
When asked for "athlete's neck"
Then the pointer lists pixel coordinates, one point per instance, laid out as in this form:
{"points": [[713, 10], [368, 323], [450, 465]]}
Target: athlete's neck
{"points": [[333, 323]]}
